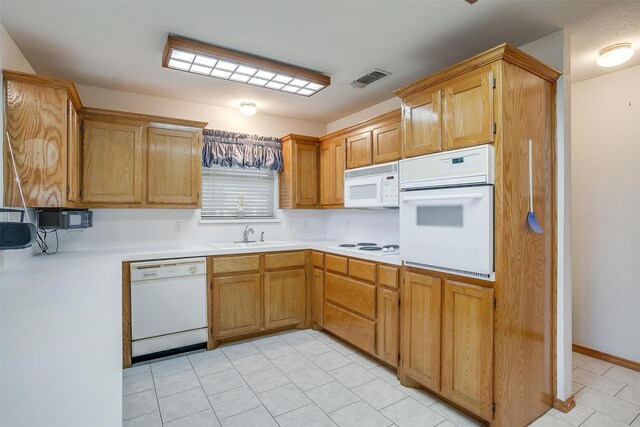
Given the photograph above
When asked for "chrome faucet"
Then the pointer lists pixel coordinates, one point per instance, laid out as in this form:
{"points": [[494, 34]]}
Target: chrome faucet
{"points": [[245, 234]]}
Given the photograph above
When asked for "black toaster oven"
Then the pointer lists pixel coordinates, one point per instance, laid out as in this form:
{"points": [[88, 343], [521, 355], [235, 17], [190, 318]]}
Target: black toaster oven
{"points": [[64, 219]]}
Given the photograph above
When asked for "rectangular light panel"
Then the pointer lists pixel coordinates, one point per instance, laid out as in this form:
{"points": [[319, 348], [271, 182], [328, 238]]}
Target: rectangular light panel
{"points": [[223, 67]]}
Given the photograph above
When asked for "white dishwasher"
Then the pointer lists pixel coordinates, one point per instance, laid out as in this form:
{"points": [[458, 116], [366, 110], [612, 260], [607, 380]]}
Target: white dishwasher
{"points": [[168, 304]]}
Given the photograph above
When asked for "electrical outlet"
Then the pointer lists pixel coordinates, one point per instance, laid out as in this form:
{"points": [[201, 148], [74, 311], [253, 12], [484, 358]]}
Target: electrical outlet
{"points": [[178, 226], [287, 225]]}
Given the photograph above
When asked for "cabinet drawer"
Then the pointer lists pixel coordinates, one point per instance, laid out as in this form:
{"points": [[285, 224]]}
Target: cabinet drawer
{"points": [[317, 258], [235, 264], [362, 270], [357, 296], [388, 276], [336, 263], [284, 260], [351, 327]]}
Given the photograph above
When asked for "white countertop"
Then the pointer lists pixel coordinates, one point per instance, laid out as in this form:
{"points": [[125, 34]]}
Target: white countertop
{"points": [[142, 254], [61, 331]]}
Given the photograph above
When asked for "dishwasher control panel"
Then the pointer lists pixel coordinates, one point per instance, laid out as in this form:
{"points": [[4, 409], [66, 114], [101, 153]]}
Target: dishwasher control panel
{"points": [[164, 269]]}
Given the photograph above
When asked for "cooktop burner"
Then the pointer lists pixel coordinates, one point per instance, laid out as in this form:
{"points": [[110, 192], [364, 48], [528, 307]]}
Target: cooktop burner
{"points": [[367, 244], [370, 248], [391, 247], [347, 245]]}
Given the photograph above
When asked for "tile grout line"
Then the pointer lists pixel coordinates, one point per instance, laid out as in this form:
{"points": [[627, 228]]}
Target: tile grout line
{"points": [[155, 392], [202, 387]]}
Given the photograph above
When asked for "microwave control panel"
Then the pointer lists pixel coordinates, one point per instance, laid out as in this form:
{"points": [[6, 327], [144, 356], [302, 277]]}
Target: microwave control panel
{"points": [[390, 190]]}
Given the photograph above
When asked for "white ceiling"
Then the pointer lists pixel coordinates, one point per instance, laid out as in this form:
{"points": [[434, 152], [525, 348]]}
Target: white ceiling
{"points": [[118, 45]]}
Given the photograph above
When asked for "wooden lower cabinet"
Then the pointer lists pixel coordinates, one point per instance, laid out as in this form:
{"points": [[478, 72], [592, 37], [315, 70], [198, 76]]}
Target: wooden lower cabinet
{"points": [[467, 346], [237, 305], [317, 296], [349, 326], [388, 325], [421, 310], [284, 297]]}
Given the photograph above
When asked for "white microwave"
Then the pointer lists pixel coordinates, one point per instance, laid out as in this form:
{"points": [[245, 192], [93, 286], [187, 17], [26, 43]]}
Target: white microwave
{"points": [[372, 186]]}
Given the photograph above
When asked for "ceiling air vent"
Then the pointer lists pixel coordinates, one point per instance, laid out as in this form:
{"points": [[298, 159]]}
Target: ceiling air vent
{"points": [[369, 78]]}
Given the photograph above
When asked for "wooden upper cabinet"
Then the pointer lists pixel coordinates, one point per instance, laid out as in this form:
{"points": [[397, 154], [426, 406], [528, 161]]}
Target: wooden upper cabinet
{"points": [[174, 172], [468, 109], [237, 305], [299, 184], [40, 117], [422, 128], [421, 309], [113, 162], [332, 167], [359, 150], [467, 347], [388, 326], [386, 143], [284, 300]]}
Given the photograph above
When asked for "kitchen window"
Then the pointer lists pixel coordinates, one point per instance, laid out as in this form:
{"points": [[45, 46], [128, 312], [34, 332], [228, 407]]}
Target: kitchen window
{"points": [[238, 194]]}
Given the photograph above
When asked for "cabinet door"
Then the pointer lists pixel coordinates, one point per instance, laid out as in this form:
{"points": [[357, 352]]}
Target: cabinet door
{"points": [[284, 298], [327, 173], [359, 150], [422, 123], [468, 110], [421, 308], [317, 295], [338, 181], [388, 326], [112, 158], [36, 119], [306, 170], [386, 143], [174, 167], [237, 305], [73, 154], [467, 346]]}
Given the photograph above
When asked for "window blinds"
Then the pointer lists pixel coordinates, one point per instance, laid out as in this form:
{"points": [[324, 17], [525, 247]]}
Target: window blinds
{"points": [[223, 186]]}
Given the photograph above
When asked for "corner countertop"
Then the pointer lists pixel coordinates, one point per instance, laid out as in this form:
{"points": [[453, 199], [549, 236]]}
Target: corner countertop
{"points": [[61, 331]]}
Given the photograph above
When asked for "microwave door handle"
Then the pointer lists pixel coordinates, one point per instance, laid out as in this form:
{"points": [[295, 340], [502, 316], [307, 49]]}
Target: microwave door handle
{"points": [[469, 196], [380, 183]]}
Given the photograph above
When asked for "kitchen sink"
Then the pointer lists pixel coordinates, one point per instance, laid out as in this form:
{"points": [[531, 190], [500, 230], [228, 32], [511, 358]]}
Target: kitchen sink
{"points": [[238, 245]]}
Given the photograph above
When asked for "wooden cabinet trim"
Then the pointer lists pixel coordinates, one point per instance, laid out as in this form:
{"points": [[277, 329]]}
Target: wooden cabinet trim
{"points": [[365, 125], [141, 119], [503, 52], [51, 82]]}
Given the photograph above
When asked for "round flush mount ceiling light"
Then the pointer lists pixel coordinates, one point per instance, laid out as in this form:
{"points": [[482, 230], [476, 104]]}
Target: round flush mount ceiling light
{"points": [[248, 108], [614, 55]]}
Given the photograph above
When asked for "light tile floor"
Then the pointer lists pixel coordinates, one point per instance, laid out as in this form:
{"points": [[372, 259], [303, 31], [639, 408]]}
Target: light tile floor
{"points": [[307, 378], [606, 395], [292, 379]]}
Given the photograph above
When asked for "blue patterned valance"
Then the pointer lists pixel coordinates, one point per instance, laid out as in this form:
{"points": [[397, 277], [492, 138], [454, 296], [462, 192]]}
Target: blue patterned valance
{"points": [[240, 150]]}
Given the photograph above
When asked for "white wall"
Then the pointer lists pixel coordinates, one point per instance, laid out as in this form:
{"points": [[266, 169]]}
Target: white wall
{"points": [[12, 59], [362, 115], [605, 122], [220, 118], [554, 51], [378, 226]]}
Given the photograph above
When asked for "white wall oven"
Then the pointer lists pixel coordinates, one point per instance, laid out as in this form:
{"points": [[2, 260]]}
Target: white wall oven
{"points": [[446, 212], [372, 186]]}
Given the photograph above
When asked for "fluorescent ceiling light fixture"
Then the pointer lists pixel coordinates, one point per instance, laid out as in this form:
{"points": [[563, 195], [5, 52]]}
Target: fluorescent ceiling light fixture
{"points": [[201, 58], [248, 108], [615, 55]]}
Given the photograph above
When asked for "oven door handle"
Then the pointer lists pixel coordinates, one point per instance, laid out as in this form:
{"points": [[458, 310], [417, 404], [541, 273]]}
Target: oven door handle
{"points": [[468, 196]]}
